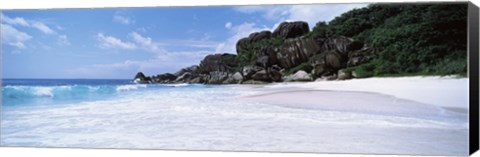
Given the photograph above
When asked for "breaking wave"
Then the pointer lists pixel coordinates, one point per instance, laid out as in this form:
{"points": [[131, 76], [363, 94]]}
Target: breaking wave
{"points": [[25, 93]]}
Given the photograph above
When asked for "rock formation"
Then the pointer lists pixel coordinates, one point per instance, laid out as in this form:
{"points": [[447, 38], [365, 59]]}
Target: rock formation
{"points": [[291, 30], [296, 51], [287, 54], [141, 78]]}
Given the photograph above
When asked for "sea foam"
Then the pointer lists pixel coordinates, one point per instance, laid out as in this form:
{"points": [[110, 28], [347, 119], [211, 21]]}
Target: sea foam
{"points": [[130, 87]]}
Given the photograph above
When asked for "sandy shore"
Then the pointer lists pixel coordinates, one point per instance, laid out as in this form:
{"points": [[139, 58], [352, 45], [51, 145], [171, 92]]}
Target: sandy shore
{"points": [[447, 92], [402, 115]]}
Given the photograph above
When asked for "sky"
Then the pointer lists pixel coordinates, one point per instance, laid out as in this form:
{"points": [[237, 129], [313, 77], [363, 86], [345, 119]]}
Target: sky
{"points": [[116, 43]]}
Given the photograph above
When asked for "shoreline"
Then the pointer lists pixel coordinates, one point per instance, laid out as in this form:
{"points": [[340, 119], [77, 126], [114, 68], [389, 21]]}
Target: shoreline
{"points": [[448, 92]]}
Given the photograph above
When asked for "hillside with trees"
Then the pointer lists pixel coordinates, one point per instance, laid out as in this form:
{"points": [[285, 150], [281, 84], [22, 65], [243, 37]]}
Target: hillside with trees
{"points": [[377, 40]]}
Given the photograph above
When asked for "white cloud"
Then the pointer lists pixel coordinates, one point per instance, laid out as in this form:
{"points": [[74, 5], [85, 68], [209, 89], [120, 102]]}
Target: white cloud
{"points": [[309, 13], [146, 43], [238, 32], [42, 27], [315, 13], [122, 19], [15, 21], [112, 42], [20, 21], [13, 37], [27, 23], [228, 25]]}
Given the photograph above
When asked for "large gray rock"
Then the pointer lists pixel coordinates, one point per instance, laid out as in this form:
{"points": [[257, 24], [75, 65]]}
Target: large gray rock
{"points": [[233, 79], [257, 36], [267, 57], [141, 78], [362, 56], [274, 74], [344, 75], [164, 78], [320, 70], [334, 60], [237, 76], [261, 76], [340, 44], [218, 62], [216, 77], [191, 69], [185, 77], [291, 29], [243, 43], [355, 45], [296, 51], [267, 75], [241, 46], [248, 71], [298, 76], [327, 63], [202, 78]]}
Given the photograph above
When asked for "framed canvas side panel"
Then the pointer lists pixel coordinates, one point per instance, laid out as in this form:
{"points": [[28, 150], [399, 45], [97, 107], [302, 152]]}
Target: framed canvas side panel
{"points": [[473, 75]]}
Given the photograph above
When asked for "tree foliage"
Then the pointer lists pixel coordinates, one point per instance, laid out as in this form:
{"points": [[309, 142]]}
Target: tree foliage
{"points": [[252, 50], [413, 38]]}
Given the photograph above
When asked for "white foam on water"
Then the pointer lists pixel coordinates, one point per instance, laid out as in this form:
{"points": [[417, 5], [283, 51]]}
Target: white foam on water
{"points": [[65, 87], [130, 87], [43, 91], [35, 90], [93, 88], [213, 119], [15, 87], [177, 85]]}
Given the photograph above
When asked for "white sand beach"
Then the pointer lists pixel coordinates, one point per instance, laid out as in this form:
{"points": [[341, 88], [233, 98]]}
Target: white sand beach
{"points": [[449, 91], [403, 115]]}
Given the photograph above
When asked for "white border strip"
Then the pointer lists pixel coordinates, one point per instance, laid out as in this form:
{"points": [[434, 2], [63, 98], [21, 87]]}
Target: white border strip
{"points": [[55, 4]]}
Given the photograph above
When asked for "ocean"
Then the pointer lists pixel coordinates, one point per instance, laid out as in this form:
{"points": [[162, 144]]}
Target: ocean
{"points": [[86, 113]]}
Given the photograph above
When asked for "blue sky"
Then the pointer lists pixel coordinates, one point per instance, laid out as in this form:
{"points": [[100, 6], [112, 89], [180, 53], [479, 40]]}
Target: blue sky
{"points": [[118, 42]]}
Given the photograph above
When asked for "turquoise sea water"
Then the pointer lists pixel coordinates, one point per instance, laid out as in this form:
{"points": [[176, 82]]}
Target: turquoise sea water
{"points": [[50, 92]]}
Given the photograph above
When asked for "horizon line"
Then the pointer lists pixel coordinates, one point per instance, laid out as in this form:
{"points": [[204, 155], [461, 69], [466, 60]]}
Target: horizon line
{"points": [[74, 78]]}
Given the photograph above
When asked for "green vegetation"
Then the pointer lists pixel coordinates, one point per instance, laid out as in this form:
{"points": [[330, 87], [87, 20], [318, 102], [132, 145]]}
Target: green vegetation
{"points": [[252, 50], [362, 71], [304, 66], [238, 69], [424, 39], [321, 29]]}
